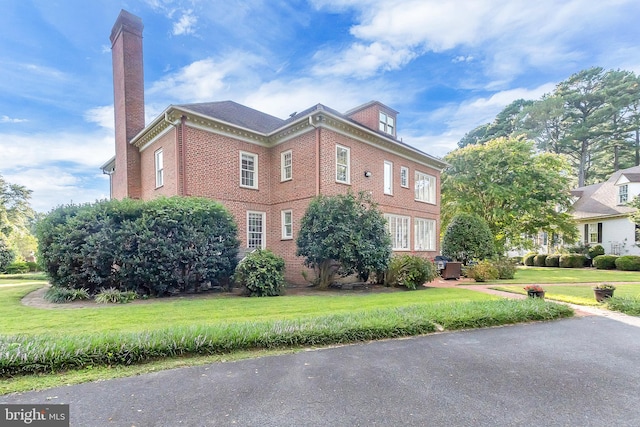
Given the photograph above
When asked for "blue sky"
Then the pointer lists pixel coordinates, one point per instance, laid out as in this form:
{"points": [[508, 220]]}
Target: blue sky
{"points": [[446, 65]]}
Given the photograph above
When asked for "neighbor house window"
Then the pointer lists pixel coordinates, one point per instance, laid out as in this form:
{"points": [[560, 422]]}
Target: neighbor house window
{"points": [[285, 166], [342, 164], [159, 168], [425, 235], [255, 230], [387, 124], [248, 170], [404, 176], [398, 229], [388, 177], [592, 230], [425, 186], [623, 194], [287, 224]]}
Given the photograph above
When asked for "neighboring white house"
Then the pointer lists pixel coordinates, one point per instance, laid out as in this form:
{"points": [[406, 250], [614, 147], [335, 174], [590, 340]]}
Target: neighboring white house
{"points": [[603, 216]]}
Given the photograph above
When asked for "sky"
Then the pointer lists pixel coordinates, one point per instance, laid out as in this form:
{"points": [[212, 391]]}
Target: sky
{"points": [[447, 66]]}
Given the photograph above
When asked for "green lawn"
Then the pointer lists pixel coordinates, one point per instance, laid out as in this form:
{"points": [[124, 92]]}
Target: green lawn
{"points": [[542, 275], [158, 314], [577, 294]]}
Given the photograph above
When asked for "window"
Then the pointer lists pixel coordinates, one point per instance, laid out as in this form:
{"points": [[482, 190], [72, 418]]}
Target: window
{"points": [[342, 164], [255, 230], [159, 168], [387, 124], [285, 166], [425, 186], [404, 176], [398, 229], [593, 232], [248, 170], [388, 177], [287, 224], [623, 194], [425, 235]]}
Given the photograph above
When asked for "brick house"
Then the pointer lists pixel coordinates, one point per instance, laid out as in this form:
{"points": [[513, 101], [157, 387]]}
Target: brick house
{"points": [[265, 169]]}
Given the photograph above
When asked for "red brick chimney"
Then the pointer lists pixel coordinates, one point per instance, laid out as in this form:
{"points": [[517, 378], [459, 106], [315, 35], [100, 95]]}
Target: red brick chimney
{"points": [[128, 93]]}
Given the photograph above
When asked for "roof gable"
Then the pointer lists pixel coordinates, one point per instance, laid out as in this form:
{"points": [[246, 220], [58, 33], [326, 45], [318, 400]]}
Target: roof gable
{"points": [[602, 199]]}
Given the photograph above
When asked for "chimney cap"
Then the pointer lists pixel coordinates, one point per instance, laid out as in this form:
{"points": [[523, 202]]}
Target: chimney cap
{"points": [[126, 22]]}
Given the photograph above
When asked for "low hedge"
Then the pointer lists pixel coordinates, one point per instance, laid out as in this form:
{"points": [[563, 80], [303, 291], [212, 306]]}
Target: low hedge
{"points": [[605, 262], [528, 259], [572, 261], [552, 261], [539, 260], [628, 263]]}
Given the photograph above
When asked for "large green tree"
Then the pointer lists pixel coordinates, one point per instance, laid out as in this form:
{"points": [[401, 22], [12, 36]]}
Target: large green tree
{"points": [[16, 218], [516, 190], [343, 234]]}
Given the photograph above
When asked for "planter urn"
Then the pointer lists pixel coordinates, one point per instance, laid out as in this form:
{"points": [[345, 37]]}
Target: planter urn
{"points": [[603, 294], [535, 294]]}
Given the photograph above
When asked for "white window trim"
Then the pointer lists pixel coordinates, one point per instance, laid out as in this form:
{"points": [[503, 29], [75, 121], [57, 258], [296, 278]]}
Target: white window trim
{"points": [[283, 166], [388, 178], [404, 172], [420, 196], [159, 167], [283, 215], [263, 233], [623, 195], [348, 165], [406, 225], [255, 170], [590, 227], [387, 123], [429, 236]]}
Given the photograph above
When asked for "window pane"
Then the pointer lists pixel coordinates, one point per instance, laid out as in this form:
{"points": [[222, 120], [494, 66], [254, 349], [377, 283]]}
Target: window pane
{"points": [[255, 230], [388, 174], [248, 166], [342, 164]]}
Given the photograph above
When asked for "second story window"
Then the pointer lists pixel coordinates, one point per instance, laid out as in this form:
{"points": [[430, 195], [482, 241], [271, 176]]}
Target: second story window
{"points": [[388, 177], [286, 166], [425, 187], [387, 124], [342, 164], [623, 194], [404, 176], [248, 170], [159, 168]]}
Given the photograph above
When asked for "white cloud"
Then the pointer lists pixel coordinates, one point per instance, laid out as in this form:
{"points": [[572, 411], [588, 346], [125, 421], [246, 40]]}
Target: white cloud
{"points": [[102, 116], [7, 119], [361, 60], [186, 24]]}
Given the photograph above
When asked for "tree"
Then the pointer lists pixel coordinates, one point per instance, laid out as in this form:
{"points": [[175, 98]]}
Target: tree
{"points": [[466, 238], [343, 234], [15, 211], [6, 255], [515, 190], [505, 124]]}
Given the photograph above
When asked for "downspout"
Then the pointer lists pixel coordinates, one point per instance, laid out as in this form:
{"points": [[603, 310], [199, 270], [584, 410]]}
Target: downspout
{"points": [[183, 121], [317, 155]]}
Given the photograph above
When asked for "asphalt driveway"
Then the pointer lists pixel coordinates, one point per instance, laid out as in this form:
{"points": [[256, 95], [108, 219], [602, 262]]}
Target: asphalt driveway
{"points": [[576, 372]]}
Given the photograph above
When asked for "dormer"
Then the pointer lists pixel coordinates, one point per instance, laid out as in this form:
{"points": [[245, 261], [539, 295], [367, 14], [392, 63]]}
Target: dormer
{"points": [[376, 116], [627, 185]]}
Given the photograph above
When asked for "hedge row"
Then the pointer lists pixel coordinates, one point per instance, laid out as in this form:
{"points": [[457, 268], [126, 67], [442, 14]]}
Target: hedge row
{"points": [[601, 262], [160, 247]]}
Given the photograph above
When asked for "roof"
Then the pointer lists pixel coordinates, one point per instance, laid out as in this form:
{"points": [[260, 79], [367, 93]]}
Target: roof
{"points": [[236, 114], [601, 199]]}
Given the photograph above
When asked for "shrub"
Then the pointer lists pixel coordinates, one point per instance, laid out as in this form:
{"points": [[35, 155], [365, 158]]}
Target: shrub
{"points": [[483, 271], [61, 295], [6, 255], [595, 250], [627, 305], [552, 260], [517, 260], [572, 261], [158, 247], [33, 266], [115, 296], [506, 268], [468, 237], [539, 260], [528, 259], [628, 263], [410, 271], [17, 267], [343, 234], [261, 273], [605, 262]]}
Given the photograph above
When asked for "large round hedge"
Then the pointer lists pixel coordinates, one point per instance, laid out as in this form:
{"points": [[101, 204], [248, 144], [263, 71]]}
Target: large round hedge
{"points": [[628, 263], [158, 247], [605, 262], [468, 237]]}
